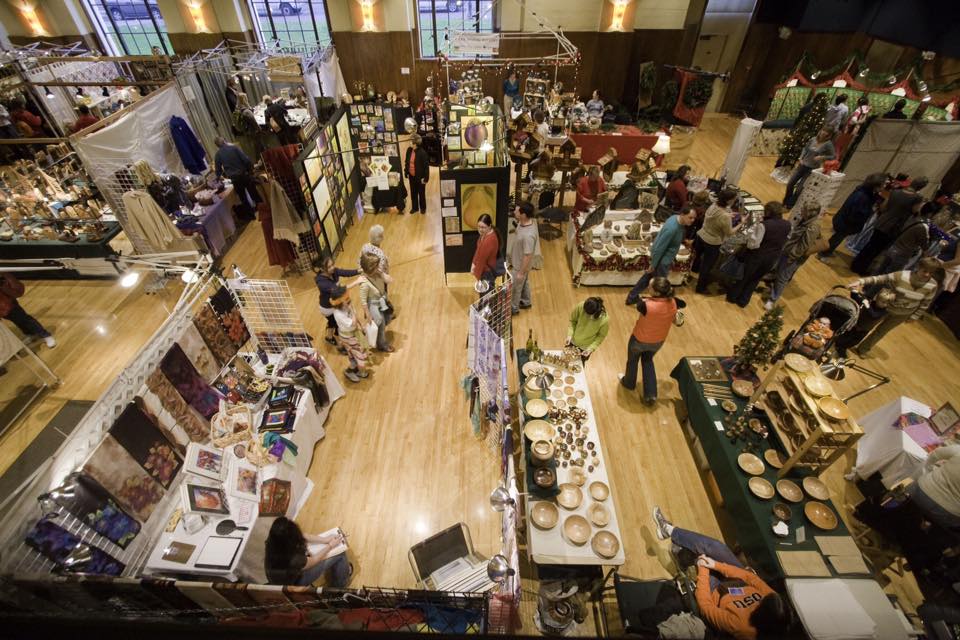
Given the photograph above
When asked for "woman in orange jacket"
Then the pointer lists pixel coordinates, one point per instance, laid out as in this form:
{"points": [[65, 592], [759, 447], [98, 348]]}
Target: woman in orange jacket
{"points": [[736, 601], [657, 314]]}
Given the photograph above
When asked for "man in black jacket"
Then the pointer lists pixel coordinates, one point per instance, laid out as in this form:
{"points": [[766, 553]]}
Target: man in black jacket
{"points": [[277, 111], [901, 205], [417, 168]]}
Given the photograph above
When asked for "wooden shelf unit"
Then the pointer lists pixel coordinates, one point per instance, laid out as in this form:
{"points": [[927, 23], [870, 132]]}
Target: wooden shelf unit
{"points": [[811, 440]]}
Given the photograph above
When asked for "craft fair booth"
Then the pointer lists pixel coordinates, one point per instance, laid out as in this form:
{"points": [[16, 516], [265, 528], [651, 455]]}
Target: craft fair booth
{"points": [[477, 183]]}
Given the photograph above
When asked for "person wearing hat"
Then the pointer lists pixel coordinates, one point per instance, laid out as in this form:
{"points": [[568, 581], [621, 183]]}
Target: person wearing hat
{"points": [[347, 333], [417, 168]]}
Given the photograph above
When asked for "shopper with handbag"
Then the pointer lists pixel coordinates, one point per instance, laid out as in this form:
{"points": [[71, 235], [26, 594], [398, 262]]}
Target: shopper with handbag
{"points": [[657, 315], [804, 234], [717, 227], [761, 256], [373, 301], [11, 289]]}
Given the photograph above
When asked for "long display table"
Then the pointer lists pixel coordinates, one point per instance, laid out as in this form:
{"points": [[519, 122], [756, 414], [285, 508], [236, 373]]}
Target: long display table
{"points": [[752, 517]]}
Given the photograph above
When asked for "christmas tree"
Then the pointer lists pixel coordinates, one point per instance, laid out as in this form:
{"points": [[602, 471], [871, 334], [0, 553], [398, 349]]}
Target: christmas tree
{"points": [[761, 341], [806, 125]]}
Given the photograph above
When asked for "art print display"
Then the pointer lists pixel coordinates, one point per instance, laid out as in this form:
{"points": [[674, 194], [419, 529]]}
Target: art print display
{"points": [[235, 327], [124, 478], [205, 461], [192, 387], [451, 225], [178, 552], [243, 481], [145, 443], [476, 200], [448, 188], [69, 551], [83, 496], [274, 497], [203, 499], [343, 133], [475, 130], [150, 404]]}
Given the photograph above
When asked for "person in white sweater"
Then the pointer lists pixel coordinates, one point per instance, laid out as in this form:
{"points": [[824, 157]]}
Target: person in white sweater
{"points": [[937, 491]]}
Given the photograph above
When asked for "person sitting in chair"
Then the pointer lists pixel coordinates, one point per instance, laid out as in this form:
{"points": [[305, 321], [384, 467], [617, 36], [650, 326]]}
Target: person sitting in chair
{"points": [[628, 197], [731, 598], [589, 188]]}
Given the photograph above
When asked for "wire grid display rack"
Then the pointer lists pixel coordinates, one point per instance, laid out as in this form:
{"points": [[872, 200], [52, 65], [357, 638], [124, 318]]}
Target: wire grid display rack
{"points": [[493, 312], [307, 249], [268, 308]]}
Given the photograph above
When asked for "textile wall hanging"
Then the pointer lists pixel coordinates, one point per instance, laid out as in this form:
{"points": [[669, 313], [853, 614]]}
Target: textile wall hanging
{"points": [[199, 353], [208, 324], [196, 428], [146, 444], [61, 546], [191, 386], [124, 478], [92, 504]]}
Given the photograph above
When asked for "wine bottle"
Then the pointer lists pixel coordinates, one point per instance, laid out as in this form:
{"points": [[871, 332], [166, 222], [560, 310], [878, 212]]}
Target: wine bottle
{"points": [[530, 344], [536, 351]]}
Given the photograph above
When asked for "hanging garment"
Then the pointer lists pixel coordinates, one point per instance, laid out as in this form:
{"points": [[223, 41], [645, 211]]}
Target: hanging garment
{"points": [[287, 222], [279, 161], [147, 220], [191, 151], [279, 252]]}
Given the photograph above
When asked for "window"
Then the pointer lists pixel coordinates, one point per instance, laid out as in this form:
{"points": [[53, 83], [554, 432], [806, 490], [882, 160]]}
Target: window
{"points": [[130, 27], [292, 22], [436, 18]]}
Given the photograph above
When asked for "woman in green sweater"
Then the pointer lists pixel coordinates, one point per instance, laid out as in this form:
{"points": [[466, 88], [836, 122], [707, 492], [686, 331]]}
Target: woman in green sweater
{"points": [[589, 324]]}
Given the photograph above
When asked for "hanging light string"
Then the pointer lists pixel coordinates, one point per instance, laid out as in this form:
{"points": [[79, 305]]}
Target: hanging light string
{"points": [[910, 75]]}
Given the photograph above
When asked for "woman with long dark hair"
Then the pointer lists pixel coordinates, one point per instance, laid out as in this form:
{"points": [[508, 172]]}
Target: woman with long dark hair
{"points": [[487, 253], [589, 325], [288, 560]]}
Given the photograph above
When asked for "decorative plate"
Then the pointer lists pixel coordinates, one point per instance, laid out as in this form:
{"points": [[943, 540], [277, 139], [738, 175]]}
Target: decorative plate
{"points": [[815, 488], [761, 488], [531, 367], [789, 490], [539, 430], [820, 515], [833, 408], [536, 408], [818, 386], [750, 463], [743, 388], [798, 362], [605, 544]]}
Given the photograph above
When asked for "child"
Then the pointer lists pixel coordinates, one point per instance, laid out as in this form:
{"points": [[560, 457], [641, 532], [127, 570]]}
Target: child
{"points": [[873, 311], [348, 337]]}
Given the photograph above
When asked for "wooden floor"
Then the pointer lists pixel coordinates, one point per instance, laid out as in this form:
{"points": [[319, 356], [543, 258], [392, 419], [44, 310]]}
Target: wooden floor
{"points": [[399, 461]]}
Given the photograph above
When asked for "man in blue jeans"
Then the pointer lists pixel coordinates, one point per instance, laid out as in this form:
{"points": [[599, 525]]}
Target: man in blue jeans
{"points": [[663, 251]]}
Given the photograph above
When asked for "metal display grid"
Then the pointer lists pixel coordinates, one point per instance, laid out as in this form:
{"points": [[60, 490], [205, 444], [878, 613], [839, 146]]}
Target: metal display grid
{"points": [[268, 308], [495, 310], [307, 247]]}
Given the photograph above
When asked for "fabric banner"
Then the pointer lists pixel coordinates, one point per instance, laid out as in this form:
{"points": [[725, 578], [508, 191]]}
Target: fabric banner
{"points": [[681, 111], [739, 149]]}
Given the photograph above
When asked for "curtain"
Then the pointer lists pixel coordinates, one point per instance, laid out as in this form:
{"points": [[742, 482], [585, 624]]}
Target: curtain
{"points": [[740, 149]]}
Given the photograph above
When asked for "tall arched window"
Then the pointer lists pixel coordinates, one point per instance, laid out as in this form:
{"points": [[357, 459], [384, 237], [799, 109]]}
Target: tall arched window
{"points": [[130, 27], [436, 18]]}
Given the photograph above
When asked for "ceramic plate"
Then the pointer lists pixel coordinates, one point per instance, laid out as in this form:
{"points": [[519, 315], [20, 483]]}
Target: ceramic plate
{"points": [[576, 530], [743, 388], [570, 496], [531, 367], [815, 488], [818, 386], [772, 456], [798, 362], [539, 430], [599, 491], [750, 463], [833, 408], [605, 544], [545, 515], [761, 488], [820, 515], [789, 490], [536, 408], [600, 516]]}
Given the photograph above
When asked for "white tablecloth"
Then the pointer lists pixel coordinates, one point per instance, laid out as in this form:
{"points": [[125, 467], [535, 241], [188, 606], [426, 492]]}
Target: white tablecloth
{"points": [[887, 449], [820, 605], [549, 547]]}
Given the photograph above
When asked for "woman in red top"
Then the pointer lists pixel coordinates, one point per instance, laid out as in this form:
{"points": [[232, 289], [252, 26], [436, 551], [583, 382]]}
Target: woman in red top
{"points": [[677, 190], [740, 604], [19, 113], [653, 325], [488, 250], [589, 187]]}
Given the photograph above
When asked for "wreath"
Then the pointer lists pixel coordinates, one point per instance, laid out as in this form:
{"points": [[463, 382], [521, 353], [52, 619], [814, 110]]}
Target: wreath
{"points": [[698, 92]]}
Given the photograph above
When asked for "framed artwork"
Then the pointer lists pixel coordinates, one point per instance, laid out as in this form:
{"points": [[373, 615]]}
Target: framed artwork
{"points": [[204, 499], [454, 240], [243, 481], [451, 224], [274, 497], [476, 200], [945, 420], [204, 461], [453, 143], [275, 420], [448, 188], [218, 552], [476, 130], [178, 552]]}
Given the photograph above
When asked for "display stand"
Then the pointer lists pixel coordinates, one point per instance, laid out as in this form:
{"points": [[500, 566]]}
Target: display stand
{"points": [[739, 150], [819, 188]]}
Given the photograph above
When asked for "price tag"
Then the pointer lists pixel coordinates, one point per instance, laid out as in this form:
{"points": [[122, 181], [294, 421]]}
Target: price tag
{"points": [[801, 535], [711, 402], [719, 425]]}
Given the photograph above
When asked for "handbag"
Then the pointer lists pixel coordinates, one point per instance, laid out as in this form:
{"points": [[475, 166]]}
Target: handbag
{"points": [[370, 332], [732, 268]]}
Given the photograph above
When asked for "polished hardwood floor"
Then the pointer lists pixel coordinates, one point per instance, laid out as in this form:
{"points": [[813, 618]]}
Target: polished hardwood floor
{"points": [[399, 461]]}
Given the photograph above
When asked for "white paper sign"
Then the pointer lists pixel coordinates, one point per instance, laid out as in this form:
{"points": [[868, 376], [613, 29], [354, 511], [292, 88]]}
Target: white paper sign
{"points": [[474, 44]]}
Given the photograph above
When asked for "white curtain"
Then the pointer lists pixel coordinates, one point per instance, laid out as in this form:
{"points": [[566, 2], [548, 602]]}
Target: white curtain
{"points": [[331, 79], [740, 149]]}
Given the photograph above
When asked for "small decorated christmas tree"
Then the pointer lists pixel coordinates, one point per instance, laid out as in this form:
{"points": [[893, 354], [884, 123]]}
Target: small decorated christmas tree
{"points": [[804, 127], [761, 341]]}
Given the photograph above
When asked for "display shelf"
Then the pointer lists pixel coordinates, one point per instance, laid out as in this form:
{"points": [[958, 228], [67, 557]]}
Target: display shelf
{"points": [[810, 440]]}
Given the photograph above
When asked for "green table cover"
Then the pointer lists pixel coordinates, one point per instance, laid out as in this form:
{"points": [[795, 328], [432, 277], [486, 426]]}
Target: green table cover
{"points": [[752, 516]]}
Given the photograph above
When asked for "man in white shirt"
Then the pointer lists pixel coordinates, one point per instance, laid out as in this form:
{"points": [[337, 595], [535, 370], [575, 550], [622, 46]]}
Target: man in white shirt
{"points": [[837, 114]]}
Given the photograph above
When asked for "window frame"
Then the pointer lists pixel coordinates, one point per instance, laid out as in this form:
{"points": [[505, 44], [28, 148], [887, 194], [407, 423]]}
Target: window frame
{"points": [[494, 27], [114, 40], [269, 18]]}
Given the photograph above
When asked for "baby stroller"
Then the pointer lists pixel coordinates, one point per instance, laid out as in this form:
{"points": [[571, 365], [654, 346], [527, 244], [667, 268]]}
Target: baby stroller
{"points": [[814, 337]]}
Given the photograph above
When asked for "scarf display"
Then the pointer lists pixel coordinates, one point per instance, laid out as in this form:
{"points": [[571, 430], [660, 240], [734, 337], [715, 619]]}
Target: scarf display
{"points": [[199, 353], [124, 478], [146, 444], [57, 544], [208, 324], [92, 504], [197, 430], [192, 387]]}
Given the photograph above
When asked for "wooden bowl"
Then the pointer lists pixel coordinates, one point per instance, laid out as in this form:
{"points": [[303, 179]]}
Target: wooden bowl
{"points": [[818, 386], [798, 362], [599, 491], [742, 388], [789, 490], [544, 477], [539, 430], [833, 408], [545, 515], [815, 488], [761, 488], [599, 515], [758, 427], [605, 544], [570, 496], [568, 390], [531, 368], [536, 408], [772, 456], [782, 511], [541, 452], [569, 379], [750, 463], [576, 530], [729, 406], [820, 515], [578, 476]]}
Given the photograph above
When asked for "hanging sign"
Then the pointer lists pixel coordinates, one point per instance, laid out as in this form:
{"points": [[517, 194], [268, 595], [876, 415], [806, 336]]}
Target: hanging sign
{"points": [[468, 43]]}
